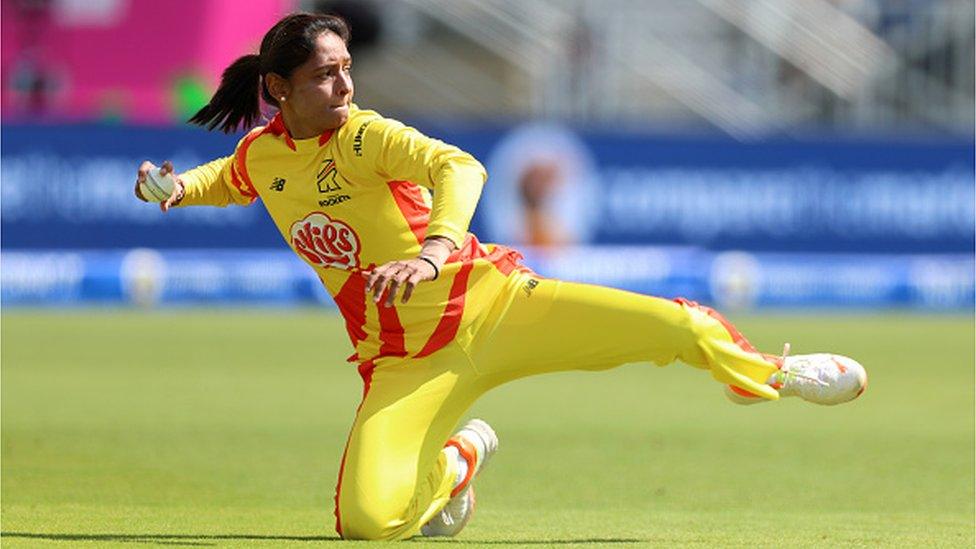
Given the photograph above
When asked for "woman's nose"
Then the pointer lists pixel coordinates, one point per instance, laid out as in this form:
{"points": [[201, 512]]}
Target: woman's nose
{"points": [[344, 85]]}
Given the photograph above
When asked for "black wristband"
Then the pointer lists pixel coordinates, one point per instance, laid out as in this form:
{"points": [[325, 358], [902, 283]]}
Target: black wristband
{"points": [[437, 272]]}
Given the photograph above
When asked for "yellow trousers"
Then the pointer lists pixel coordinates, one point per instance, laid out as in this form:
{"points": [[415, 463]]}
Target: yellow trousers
{"points": [[394, 475]]}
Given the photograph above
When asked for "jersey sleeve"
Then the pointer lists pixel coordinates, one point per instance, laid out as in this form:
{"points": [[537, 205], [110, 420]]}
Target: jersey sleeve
{"points": [[219, 182], [398, 152]]}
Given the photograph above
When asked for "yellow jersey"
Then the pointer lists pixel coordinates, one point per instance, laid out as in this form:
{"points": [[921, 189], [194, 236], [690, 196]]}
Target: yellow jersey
{"points": [[357, 197]]}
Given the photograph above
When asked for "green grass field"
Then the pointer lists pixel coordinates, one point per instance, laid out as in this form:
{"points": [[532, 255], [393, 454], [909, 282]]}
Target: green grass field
{"points": [[225, 429]]}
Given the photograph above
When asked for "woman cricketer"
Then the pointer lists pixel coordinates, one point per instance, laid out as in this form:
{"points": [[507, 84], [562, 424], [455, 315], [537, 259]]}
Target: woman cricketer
{"points": [[437, 318]]}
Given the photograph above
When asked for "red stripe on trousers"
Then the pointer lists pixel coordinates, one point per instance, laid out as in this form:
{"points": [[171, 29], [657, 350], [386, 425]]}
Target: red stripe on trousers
{"points": [[411, 203], [737, 337], [447, 326], [366, 372], [351, 300]]}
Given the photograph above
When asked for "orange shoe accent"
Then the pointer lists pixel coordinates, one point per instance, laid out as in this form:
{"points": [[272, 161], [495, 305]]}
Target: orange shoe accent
{"points": [[470, 455], [841, 367], [743, 392], [864, 388]]}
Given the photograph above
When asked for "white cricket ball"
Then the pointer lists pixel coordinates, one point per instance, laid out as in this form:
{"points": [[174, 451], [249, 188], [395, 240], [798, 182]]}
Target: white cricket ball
{"points": [[156, 187]]}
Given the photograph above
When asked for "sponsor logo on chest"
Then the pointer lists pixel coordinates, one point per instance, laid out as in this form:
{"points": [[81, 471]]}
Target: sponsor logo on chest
{"points": [[326, 242], [327, 181]]}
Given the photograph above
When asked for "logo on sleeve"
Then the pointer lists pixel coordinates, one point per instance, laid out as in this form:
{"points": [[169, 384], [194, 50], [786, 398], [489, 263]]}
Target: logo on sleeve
{"points": [[325, 242]]}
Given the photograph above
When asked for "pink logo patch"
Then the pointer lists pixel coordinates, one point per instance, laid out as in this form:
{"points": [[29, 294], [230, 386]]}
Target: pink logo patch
{"points": [[325, 242]]}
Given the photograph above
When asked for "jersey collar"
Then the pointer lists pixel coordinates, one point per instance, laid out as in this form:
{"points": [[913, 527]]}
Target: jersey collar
{"points": [[276, 127]]}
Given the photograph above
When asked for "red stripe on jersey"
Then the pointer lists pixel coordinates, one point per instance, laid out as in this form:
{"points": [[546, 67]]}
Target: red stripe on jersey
{"points": [[239, 184], [277, 128], [391, 331], [470, 249], [504, 259], [246, 187], [366, 372], [324, 138], [411, 203], [447, 326], [351, 300]]}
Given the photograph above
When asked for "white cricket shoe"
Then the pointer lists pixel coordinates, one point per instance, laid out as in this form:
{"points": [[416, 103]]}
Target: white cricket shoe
{"points": [[453, 517], [476, 442], [821, 378]]}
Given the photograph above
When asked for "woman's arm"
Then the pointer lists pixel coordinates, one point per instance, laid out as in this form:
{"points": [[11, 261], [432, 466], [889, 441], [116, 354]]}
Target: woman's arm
{"points": [[217, 183], [398, 152]]}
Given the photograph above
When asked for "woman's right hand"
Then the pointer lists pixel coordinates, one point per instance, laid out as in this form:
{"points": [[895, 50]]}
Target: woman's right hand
{"points": [[178, 189]]}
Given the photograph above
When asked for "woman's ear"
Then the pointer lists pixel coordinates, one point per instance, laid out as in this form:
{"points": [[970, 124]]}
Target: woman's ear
{"points": [[277, 86]]}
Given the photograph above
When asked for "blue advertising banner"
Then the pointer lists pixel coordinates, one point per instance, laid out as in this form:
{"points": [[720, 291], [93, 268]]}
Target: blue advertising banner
{"points": [[67, 187], [731, 280]]}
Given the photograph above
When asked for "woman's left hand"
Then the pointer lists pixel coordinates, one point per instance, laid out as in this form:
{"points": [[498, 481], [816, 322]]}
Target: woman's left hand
{"points": [[407, 273]]}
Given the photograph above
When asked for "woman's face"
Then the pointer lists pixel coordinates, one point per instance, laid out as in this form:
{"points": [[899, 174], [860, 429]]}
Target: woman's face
{"points": [[321, 88]]}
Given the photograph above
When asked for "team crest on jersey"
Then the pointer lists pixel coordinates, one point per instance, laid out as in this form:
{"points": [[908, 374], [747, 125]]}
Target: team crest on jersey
{"points": [[326, 242], [326, 178]]}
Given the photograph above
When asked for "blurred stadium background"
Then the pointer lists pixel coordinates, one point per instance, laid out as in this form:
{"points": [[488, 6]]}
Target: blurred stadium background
{"points": [[787, 153], [805, 165]]}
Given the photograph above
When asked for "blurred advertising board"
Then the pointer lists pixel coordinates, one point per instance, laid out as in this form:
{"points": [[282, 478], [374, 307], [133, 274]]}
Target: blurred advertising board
{"points": [[122, 60], [730, 280], [67, 187]]}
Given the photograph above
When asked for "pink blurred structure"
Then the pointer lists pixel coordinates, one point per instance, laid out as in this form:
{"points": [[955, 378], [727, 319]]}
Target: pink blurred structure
{"points": [[141, 61]]}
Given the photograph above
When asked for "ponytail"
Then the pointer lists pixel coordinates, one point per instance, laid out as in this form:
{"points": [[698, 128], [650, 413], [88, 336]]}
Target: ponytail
{"points": [[287, 45], [235, 103]]}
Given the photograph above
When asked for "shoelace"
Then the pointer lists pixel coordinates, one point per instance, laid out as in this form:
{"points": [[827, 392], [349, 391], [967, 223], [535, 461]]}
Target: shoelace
{"points": [[789, 374]]}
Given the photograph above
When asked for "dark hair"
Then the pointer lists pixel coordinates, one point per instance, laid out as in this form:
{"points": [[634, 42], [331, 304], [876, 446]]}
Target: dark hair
{"points": [[286, 46]]}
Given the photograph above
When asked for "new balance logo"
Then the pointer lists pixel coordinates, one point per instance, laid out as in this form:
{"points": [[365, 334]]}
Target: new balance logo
{"points": [[326, 177], [278, 184]]}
